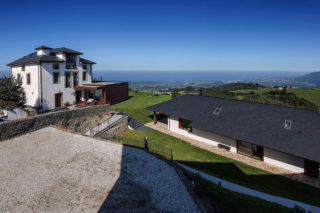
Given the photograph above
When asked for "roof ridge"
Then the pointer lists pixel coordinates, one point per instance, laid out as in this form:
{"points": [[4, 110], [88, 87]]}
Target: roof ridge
{"points": [[251, 102]]}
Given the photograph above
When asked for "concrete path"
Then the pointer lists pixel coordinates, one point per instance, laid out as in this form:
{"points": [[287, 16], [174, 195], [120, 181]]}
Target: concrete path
{"points": [[244, 190]]}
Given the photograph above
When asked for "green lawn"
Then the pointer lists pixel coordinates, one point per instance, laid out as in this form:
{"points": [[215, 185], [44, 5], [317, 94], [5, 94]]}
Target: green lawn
{"points": [[137, 104], [226, 168], [219, 199]]}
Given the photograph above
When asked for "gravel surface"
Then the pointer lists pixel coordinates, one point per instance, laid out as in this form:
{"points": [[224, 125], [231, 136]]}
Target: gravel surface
{"points": [[54, 171]]}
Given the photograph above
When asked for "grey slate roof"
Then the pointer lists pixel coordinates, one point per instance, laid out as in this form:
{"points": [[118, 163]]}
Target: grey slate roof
{"points": [[261, 124], [34, 58], [85, 61], [65, 50]]}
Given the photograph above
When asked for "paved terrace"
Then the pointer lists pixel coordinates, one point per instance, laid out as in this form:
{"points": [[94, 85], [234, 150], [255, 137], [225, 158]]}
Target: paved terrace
{"points": [[249, 161], [51, 170]]}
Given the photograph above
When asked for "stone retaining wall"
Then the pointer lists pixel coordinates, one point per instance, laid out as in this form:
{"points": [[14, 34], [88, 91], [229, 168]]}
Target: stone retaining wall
{"points": [[18, 127], [115, 130]]}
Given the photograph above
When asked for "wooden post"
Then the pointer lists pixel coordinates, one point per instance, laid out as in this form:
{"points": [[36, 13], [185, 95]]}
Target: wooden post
{"points": [[154, 117]]}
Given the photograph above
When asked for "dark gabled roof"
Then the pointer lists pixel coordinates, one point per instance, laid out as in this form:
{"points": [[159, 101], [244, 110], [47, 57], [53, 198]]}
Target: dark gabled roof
{"points": [[65, 50], [43, 47], [261, 124], [34, 58], [85, 61]]}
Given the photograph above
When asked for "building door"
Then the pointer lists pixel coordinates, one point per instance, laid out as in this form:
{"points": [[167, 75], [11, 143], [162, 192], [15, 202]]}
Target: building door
{"points": [[311, 168], [78, 95], [58, 99]]}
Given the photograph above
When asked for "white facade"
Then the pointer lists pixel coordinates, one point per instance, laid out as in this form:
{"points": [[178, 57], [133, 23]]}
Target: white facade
{"points": [[41, 91], [271, 156], [201, 135]]}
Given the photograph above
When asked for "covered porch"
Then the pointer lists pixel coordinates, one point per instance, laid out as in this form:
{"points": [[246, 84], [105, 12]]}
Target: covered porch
{"points": [[101, 92], [90, 95]]}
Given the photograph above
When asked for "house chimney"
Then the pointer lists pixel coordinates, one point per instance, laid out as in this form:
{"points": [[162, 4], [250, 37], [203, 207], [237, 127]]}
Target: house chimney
{"points": [[43, 50]]}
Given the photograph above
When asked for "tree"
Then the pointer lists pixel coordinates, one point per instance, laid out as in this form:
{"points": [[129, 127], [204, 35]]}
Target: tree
{"points": [[12, 94], [175, 94]]}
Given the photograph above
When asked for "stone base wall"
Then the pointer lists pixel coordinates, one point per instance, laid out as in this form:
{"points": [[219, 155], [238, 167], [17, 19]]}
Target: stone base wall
{"points": [[18, 127], [114, 131]]}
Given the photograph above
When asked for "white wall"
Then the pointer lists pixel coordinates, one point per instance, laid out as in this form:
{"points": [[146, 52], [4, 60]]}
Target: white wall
{"points": [[201, 135], [49, 89], [43, 52], [290, 162], [32, 90]]}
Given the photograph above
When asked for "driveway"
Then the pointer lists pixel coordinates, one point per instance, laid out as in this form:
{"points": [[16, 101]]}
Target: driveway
{"points": [[55, 171]]}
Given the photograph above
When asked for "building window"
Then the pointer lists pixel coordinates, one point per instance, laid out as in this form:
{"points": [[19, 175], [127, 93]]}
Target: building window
{"points": [[19, 77], [67, 79], [28, 78], [185, 124], [56, 77], [23, 68], [84, 67], [217, 111], [251, 150], [71, 61], [55, 66], [84, 76], [287, 124], [75, 78]]}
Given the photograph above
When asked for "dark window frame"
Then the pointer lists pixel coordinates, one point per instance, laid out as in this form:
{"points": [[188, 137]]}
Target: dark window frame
{"points": [[54, 66], [67, 81], [58, 78], [23, 68], [28, 78], [19, 77], [84, 76], [84, 67]]}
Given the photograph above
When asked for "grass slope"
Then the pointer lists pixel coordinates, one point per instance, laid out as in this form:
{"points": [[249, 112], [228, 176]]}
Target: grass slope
{"points": [[312, 95], [226, 168], [137, 104]]}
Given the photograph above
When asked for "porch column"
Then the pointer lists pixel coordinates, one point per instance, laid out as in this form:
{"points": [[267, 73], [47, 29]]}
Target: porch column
{"points": [[154, 117], [105, 95]]}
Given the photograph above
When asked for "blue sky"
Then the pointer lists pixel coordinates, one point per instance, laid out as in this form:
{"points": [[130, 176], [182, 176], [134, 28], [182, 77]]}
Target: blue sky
{"points": [[275, 35]]}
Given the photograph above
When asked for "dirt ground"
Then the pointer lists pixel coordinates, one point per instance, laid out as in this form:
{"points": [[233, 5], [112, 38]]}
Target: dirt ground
{"points": [[55, 171]]}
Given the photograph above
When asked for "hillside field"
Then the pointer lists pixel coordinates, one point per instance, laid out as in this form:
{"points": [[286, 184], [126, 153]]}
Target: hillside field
{"points": [[312, 95]]}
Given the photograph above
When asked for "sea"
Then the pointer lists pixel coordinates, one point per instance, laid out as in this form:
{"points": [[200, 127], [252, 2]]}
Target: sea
{"points": [[187, 76], [191, 76]]}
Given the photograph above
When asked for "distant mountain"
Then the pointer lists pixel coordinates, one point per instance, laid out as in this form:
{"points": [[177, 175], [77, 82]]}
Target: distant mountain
{"points": [[312, 78]]}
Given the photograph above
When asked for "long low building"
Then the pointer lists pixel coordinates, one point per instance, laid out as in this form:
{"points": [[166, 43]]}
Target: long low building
{"points": [[283, 136]]}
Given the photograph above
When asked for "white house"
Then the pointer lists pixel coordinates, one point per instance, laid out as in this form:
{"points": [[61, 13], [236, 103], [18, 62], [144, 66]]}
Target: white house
{"points": [[282, 136], [52, 77]]}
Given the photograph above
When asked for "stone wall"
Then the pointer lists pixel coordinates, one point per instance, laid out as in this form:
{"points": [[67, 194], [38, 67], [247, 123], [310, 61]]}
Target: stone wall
{"points": [[116, 129], [14, 128]]}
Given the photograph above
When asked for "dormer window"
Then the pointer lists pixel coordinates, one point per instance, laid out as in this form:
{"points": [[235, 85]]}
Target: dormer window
{"points": [[217, 111], [287, 124]]}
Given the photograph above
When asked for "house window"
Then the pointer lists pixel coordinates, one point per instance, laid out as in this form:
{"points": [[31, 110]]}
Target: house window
{"points": [[84, 76], [56, 77], [28, 78], [23, 68], [84, 67], [67, 79], [55, 66], [185, 124], [287, 124], [19, 77], [70, 61], [75, 78], [251, 150]]}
